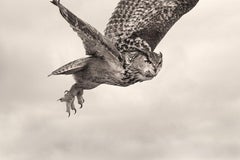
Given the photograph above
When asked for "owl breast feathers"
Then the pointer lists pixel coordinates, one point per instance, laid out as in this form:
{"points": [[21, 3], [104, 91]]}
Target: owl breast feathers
{"points": [[125, 53]]}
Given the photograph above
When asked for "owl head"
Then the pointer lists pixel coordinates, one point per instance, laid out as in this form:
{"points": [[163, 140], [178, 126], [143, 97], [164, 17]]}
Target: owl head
{"points": [[147, 64]]}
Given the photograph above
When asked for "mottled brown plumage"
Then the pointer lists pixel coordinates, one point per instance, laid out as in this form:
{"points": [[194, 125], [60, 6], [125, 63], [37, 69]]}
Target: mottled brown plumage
{"points": [[124, 54]]}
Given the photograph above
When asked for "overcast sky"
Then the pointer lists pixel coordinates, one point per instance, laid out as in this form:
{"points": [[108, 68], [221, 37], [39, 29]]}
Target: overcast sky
{"points": [[190, 111]]}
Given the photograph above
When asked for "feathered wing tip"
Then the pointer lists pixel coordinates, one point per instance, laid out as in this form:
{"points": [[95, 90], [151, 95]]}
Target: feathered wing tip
{"points": [[55, 2]]}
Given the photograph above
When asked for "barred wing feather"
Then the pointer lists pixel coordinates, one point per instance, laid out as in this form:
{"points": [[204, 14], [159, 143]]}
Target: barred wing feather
{"points": [[143, 23]]}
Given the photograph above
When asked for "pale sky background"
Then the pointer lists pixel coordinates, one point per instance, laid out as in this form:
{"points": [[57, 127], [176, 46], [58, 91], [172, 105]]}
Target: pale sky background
{"points": [[190, 111]]}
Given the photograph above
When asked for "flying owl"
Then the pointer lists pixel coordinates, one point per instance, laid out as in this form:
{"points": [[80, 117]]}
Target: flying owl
{"points": [[124, 55]]}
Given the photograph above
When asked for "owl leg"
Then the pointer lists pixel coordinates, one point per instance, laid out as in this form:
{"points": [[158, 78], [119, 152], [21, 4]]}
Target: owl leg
{"points": [[69, 98]]}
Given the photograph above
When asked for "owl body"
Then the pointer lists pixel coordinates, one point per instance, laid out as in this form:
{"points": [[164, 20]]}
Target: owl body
{"points": [[95, 71], [98, 71]]}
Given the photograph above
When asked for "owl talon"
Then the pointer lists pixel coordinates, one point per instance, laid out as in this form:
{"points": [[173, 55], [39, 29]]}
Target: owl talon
{"points": [[80, 100], [69, 99], [81, 106]]}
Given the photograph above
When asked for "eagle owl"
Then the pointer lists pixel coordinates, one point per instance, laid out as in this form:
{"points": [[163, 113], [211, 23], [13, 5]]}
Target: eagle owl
{"points": [[125, 53]]}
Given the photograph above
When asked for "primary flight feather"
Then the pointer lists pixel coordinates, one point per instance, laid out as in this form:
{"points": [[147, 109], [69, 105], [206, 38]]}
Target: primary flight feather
{"points": [[125, 53]]}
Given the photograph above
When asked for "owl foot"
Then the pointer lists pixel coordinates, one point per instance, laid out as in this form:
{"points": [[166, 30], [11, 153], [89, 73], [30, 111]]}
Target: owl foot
{"points": [[69, 97]]}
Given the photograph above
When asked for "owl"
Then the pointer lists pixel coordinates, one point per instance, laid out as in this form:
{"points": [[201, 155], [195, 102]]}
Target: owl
{"points": [[124, 54]]}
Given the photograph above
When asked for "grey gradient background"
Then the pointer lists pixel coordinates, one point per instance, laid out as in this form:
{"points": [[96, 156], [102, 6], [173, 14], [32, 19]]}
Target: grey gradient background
{"points": [[190, 111]]}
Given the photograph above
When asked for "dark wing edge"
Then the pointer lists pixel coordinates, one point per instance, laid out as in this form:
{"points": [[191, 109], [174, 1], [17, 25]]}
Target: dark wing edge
{"points": [[146, 21], [94, 42]]}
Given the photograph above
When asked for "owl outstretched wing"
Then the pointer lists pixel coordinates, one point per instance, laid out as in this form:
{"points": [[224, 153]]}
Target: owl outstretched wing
{"points": [[96, 45], [143, 23], [94, 42]]}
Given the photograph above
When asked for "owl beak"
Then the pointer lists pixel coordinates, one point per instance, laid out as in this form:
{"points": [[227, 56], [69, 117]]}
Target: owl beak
{"points": [[150, 74]]}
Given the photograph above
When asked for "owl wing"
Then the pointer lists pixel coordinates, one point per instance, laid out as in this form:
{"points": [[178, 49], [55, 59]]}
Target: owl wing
{"points": [[143, 23], [94, 42]]}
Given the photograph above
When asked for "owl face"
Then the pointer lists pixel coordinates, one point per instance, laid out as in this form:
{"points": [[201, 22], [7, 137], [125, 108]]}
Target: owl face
{"points": [[147, 66]]}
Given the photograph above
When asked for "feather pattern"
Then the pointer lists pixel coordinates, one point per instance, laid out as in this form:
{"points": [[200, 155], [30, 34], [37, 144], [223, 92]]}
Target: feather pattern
{"points": [[143, 23], [71, 67]]}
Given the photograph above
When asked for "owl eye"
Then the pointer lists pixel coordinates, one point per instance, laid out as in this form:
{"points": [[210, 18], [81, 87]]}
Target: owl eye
{"points": [[147, 61]]}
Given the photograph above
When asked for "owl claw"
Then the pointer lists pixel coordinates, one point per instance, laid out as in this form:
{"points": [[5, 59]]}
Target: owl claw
{"points": [[80, 98], [69, 99], [80, 101]]}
